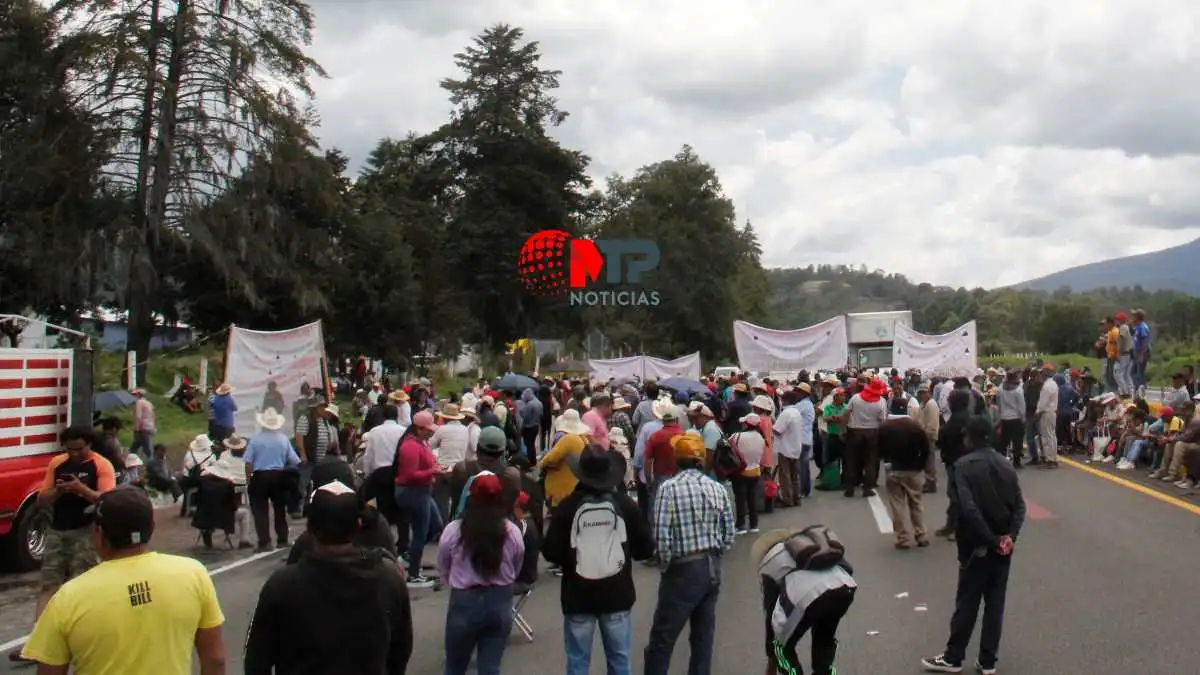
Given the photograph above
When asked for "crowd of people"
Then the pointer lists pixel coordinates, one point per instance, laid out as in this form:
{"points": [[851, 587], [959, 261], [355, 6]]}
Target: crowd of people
{"points": [[591, 477]]}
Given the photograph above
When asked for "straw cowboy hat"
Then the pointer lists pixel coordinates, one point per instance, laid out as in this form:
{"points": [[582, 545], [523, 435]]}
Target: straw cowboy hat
{"points": [[201, 443], [269, 419], [234, 442], [763, 403], [224, 389], [450, 411], [398, 396], [569, 423], [470, 412], [620, 403]]}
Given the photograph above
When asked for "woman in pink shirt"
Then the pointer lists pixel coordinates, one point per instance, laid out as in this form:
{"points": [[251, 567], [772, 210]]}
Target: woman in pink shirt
{"points": [[596, 419], [480, 556], [416, 470]]}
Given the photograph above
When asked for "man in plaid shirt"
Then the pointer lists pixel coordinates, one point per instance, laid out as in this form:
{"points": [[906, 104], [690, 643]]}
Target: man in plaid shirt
{"points": [[693, 527]]}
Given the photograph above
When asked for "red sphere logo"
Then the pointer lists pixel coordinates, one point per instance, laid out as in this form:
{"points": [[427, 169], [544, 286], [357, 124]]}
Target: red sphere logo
{"points": [[542, 264]]}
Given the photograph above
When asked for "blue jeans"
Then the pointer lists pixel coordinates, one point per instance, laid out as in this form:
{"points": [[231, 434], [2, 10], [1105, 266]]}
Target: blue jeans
{"points": [[616, 633], [423, 518], [1134, 450], [1031, 439], [687, 593], [1138, 370], [478, 622], [806, 452]]}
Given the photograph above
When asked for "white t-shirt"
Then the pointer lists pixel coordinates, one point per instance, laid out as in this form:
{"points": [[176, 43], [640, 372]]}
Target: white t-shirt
{"points": [[751, 446], [382, 442]]}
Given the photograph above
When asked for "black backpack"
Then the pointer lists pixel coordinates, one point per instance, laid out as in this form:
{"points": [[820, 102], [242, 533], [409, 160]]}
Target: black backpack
{"points": [[726, 461], [816, 547]]}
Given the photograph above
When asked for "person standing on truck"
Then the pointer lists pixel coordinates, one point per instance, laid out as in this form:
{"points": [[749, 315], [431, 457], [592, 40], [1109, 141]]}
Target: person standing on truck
{"points": [[74, 480], [143, 425]]}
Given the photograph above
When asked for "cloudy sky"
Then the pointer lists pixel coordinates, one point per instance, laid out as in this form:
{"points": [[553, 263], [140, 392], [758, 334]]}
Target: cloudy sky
{"points": [[955, 142]]}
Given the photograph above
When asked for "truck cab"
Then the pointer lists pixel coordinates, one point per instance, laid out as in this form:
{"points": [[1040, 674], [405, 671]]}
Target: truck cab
{"points": [[871, 336], [42, 391]]}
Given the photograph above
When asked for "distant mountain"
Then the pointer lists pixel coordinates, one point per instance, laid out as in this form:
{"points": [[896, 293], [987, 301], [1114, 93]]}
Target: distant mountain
{"points": [[1172, 269]]}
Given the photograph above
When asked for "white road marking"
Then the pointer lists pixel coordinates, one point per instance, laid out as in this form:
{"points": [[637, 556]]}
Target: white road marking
{"points": [[13, 644], [883, 519]]}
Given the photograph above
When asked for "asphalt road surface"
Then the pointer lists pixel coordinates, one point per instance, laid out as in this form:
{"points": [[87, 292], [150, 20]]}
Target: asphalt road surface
{"points": [[1103, 583]]}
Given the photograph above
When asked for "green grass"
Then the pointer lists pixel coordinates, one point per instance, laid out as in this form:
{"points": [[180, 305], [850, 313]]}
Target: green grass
{"points": [[1162, 365], [176, 428]]}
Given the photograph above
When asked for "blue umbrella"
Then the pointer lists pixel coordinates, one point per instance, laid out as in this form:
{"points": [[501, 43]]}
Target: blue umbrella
{"points": [[103, 401], [685, 385], [515, 381]]}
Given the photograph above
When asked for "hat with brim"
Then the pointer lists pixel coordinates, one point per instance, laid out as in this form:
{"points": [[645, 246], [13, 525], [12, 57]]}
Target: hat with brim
{"points": [[398, 396], [450, 412], [234, 442], [470, 413], [804, 387], [224, 389], [569, 423], [269, 419], [201, 443], [597, 468], [620, 403], [333, 410]]}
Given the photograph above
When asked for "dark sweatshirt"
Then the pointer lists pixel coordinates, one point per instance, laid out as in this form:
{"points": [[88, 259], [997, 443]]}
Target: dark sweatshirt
{"points": [[603, 596], [903, 442], [950, 436], [989, 500], [332, 616]]}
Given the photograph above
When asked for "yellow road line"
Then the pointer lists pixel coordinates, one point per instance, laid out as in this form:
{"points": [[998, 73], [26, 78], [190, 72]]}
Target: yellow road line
{"points": [[1138, 487]]}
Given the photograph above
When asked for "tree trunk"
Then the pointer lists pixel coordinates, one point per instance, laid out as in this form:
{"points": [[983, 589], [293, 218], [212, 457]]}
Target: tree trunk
{"points": [[144, 280]]}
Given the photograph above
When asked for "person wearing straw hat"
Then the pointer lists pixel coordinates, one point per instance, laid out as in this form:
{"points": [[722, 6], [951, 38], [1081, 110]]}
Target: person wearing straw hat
{"points": [[560, 482], [224, 411], [471, 420], [594, 536], [316, 433], [269, 457], [449, 444]]}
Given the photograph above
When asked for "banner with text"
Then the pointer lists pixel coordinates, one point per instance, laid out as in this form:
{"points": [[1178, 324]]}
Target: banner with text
{"points": [[627, 368], [762, 350], [267, 369], [953, 354]]}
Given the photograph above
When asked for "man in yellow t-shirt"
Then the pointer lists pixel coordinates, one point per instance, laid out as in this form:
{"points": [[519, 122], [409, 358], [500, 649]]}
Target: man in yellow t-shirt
{"points": [[137, 611]]}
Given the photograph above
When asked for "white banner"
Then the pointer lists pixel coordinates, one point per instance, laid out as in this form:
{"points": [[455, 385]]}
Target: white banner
{"points": [[762, 350], [267, 370], [687, 367], [953, 354], [629, 367]]}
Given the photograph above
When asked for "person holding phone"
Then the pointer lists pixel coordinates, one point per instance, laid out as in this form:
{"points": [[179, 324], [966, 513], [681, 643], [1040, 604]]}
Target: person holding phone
{"points": [[74, 480]]}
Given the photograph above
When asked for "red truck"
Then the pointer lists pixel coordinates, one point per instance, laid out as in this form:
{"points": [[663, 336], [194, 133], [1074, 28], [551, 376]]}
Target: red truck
{"points": [[41, 392]]}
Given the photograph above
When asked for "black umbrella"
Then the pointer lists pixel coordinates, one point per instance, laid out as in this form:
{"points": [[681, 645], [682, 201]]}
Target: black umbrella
{"points": [[514, 381], [103, 401]]}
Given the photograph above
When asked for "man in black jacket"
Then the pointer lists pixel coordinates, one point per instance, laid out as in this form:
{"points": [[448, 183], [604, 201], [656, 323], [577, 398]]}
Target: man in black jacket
{"points": [[362, 588], [904, 444], [951, 442], [606, 601], [991, 513]]}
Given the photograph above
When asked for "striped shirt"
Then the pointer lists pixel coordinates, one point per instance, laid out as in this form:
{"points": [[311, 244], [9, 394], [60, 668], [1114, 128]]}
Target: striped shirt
{"points": [[692, 514], [326, 437]]}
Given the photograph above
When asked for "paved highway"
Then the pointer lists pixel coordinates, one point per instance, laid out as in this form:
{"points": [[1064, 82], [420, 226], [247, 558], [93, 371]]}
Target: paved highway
{"points": [[1102, 583]]}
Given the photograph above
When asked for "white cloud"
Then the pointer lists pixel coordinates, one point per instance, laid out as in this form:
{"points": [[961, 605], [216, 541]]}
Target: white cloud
{"points": [[964, 143]]}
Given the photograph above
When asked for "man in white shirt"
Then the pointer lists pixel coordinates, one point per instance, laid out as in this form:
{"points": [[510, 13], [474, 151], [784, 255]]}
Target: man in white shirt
{"points": [[449, 445], [382, 441], [789, 448], [1047, 415]]}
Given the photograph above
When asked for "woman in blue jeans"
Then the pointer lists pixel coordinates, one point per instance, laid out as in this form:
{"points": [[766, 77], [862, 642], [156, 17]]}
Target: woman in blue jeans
{"points": [[480, 556], [416, 470]]}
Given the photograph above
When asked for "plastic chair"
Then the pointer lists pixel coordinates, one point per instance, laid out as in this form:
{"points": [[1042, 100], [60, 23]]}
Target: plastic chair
{"points": [[522, 594]]}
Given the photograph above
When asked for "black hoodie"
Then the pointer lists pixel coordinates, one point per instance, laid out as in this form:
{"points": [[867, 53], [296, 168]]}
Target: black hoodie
{"points": [[332, 616]]}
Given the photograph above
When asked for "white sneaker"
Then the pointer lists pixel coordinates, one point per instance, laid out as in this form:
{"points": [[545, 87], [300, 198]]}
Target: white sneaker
{"points": [[1109, 459], [739, 533], [1124, 465], [1097, 457], [1185, 484], [1167, 477], [754, 530]]}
